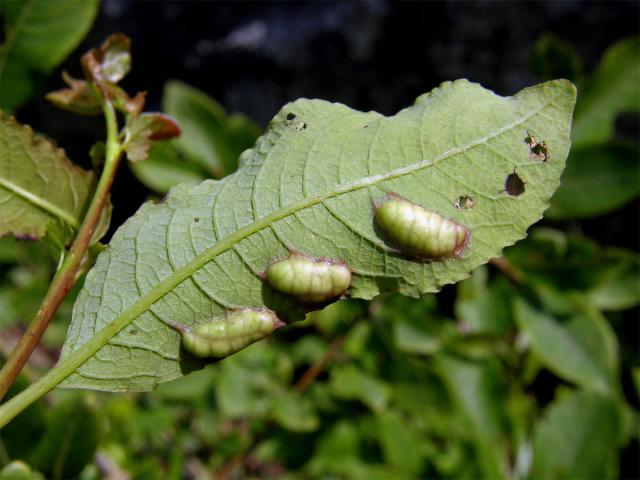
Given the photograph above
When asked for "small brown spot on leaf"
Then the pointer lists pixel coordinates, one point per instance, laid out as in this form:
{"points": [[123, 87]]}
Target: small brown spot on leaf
{"points": [[196, 220]]}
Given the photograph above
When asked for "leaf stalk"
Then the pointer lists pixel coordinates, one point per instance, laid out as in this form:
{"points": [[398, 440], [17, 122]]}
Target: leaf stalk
{"points": [[66, 275]]}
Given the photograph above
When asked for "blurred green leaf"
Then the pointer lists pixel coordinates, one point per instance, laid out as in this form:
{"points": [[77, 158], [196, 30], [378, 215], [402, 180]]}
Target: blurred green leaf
{"points": [[480, 395], [415, 336], [582, 349], [209, 138], [349, 383], [426, 402], [554, 58], [336, 448], [577, 438], [38, 35], [612, 89], [19, 437], [598, 179], [70, 440], [42, 193], [568, 269], [18, 470], [295, 412], [189, 388], [399, 443], [165, 168], [414, 325], [481, 307], [26, 269], [619, 290]]}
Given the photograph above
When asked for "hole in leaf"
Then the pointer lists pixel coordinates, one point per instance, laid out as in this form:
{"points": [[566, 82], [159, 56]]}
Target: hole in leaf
{"points": [[538, 150], [291, 116], [514, 185], [464, 202], [301, 126]]}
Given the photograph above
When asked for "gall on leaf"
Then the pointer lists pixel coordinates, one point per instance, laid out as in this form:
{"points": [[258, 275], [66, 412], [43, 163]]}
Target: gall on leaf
{"points": [[418, 232], [309, 279], [228, 333]]}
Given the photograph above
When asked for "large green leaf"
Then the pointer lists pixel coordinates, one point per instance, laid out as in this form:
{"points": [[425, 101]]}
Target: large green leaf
{"points": [[41, 191], [209, 138], [479, 393], [308, 184], [39, 35], [398, 441], [577, 438], [612, 89], [597, 180], [582, 349]]}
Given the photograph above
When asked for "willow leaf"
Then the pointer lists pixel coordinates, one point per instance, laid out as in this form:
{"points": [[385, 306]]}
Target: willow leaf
{"points": [[41, 191], [308, 184]]}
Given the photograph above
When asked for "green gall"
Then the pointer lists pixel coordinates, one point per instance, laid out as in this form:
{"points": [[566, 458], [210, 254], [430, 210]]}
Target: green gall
{"points": [[309, 279], [419, 232], [228, 333]]}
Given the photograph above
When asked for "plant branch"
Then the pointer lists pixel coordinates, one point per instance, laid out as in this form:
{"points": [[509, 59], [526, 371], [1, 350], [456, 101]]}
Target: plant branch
{"points": [[508, 269], [66, 275]]}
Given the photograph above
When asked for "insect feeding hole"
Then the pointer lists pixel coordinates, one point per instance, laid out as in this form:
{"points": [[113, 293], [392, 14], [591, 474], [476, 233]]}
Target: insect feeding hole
{"points": [[464, 202], [537, 149], [514, 185]]}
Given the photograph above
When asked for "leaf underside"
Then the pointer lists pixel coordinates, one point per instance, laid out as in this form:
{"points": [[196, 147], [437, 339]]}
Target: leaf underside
{"points": [[308, 185], [41, 191]]}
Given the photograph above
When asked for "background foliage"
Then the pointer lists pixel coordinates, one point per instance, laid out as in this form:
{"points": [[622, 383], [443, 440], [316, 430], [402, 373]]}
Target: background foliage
{"points": [[529, 368]]}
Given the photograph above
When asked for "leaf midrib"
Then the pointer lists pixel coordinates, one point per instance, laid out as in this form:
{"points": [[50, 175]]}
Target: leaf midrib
{"points": [[100, 338], [41, 203]]}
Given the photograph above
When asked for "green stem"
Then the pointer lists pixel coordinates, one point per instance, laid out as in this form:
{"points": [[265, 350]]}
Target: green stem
{"points": [[66, 275]]}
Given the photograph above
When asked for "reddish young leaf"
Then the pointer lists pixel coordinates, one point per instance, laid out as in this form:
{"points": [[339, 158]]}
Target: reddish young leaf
{"points": [[144, 130], [78, 98]]}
